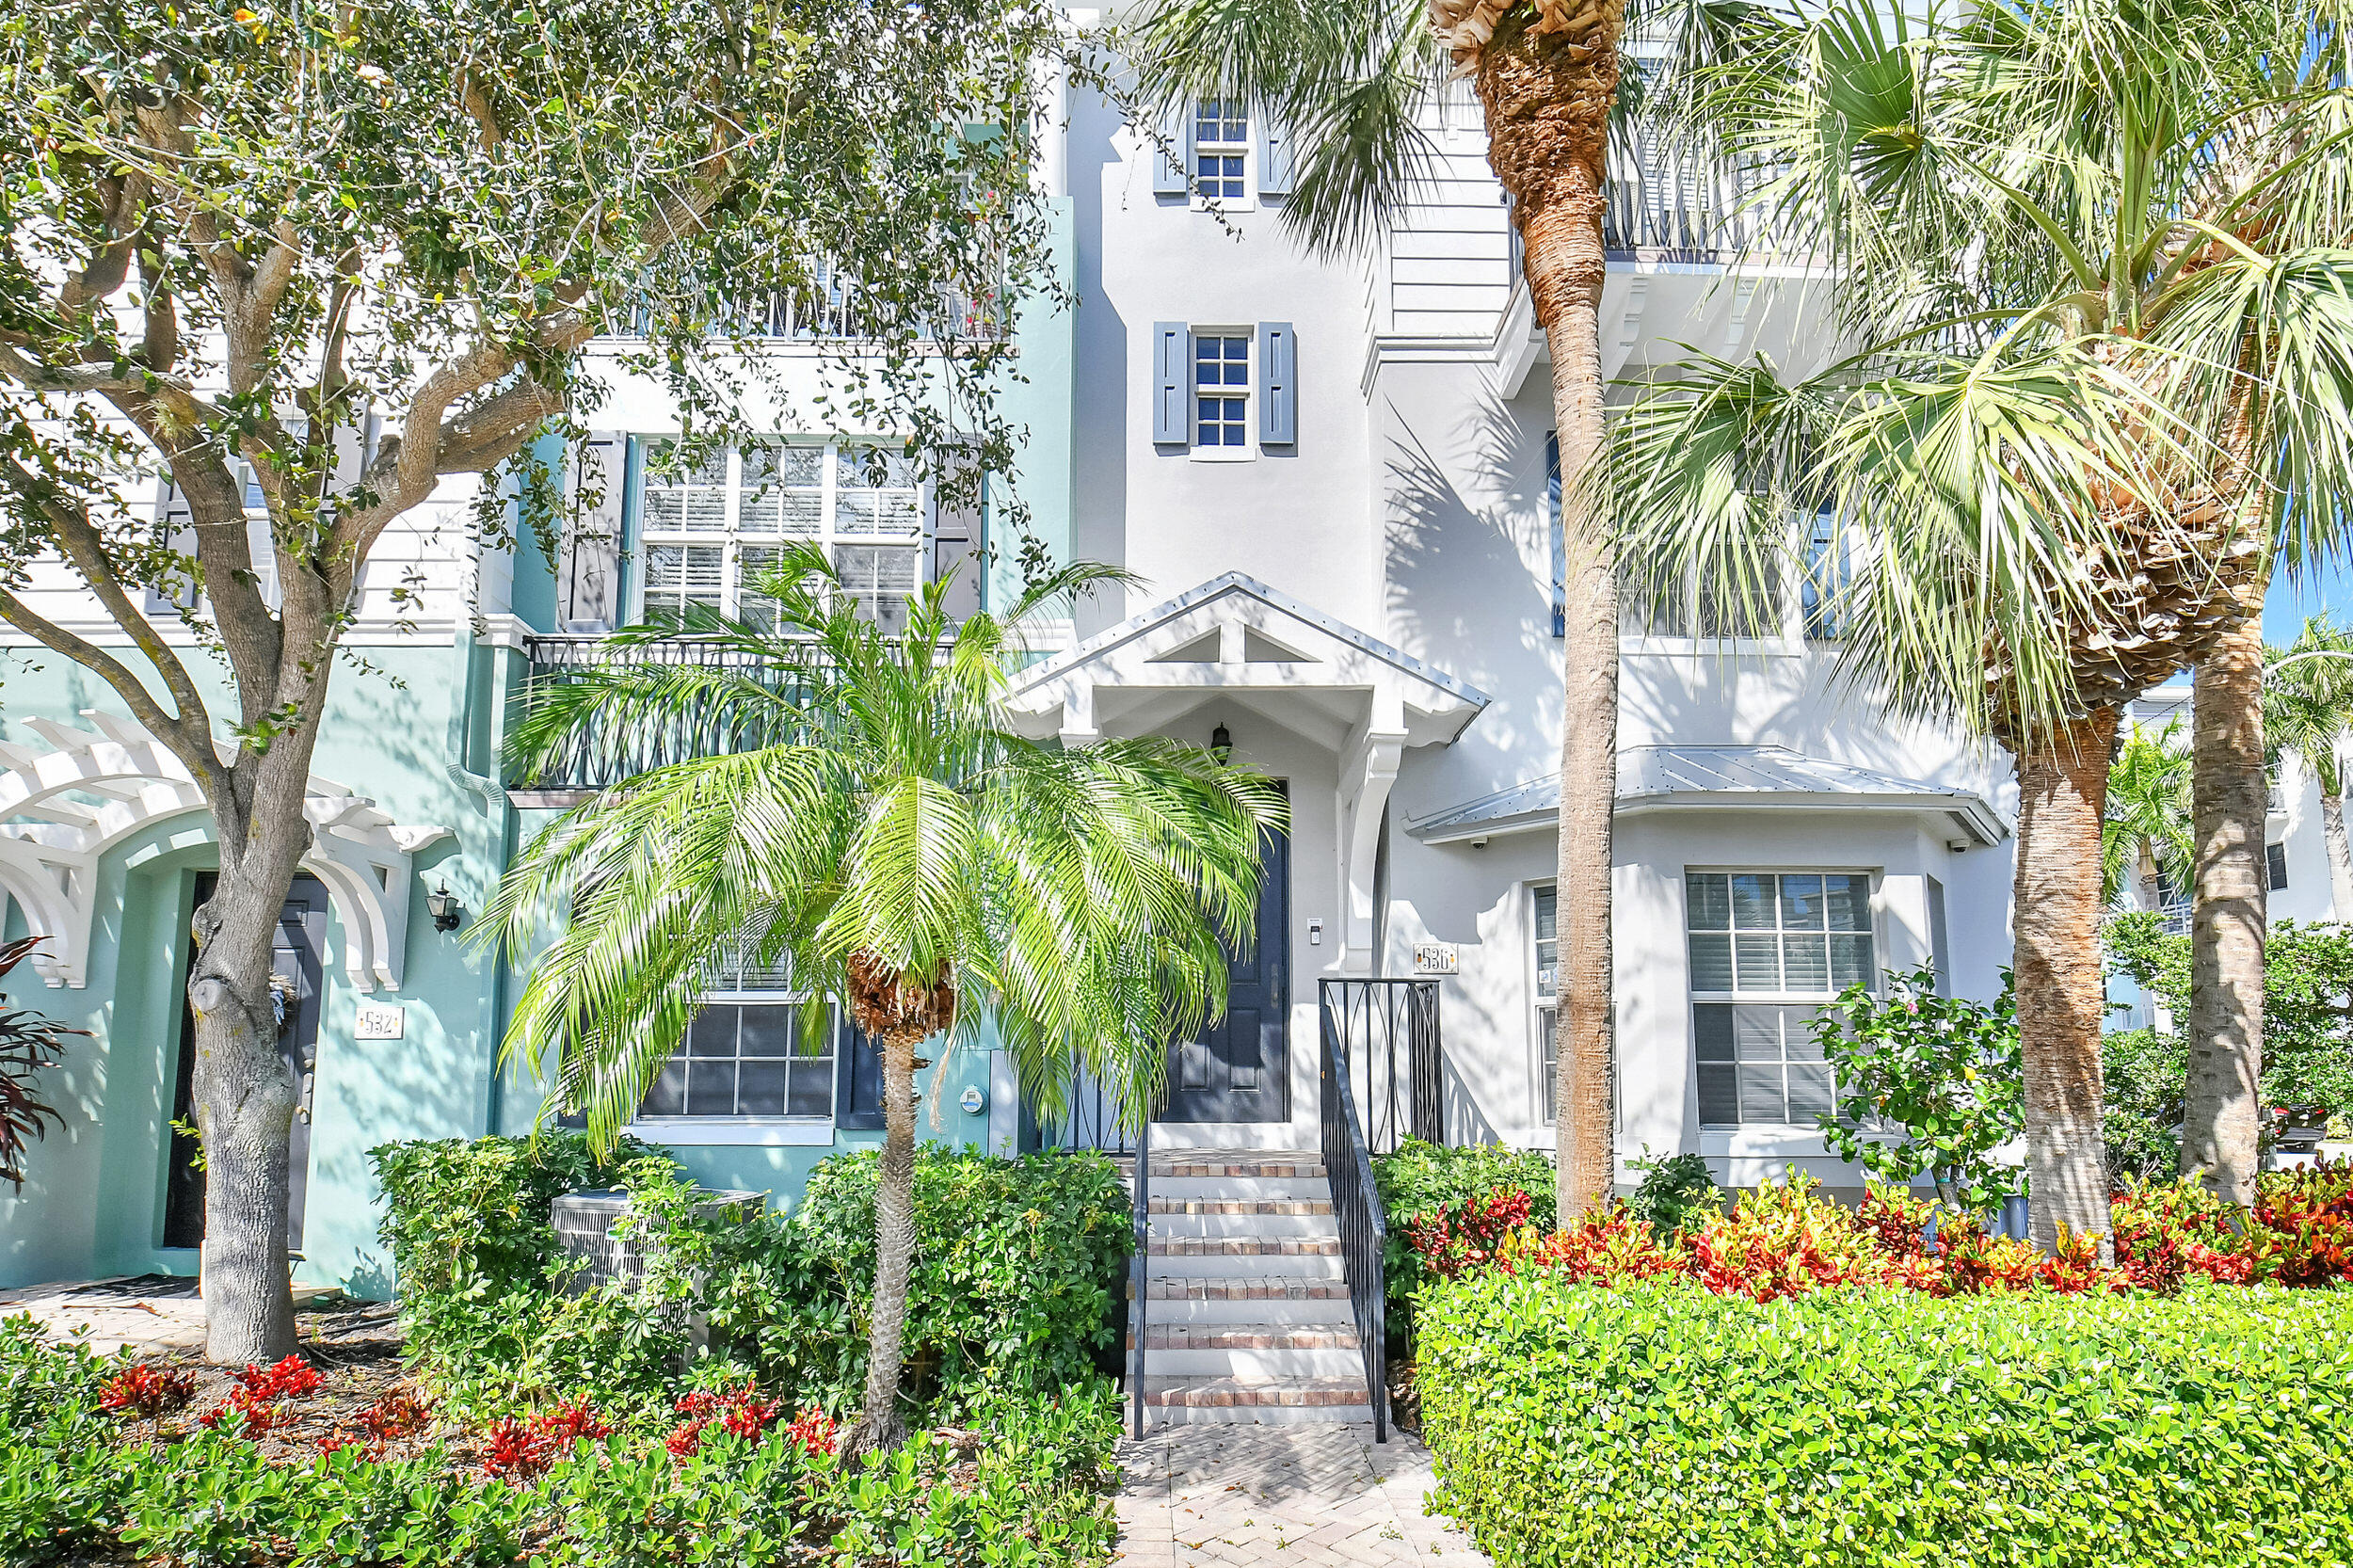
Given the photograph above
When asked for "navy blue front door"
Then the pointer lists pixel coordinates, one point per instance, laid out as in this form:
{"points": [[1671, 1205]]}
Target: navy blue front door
{"points": [[1239, 1070]]}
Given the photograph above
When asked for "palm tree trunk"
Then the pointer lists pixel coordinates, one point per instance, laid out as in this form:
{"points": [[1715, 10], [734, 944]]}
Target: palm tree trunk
{"points": [[2061, 990], [2226, 971], [880, 1430], [2340, 856], [1547, 100]]}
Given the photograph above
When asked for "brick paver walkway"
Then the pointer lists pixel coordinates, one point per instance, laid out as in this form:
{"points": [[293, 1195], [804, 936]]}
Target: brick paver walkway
{"points": [[1313, 1496]]}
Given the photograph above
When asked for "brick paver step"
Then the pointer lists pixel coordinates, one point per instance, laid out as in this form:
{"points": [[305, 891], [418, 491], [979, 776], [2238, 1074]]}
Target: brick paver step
{"points": [[1252, 1336], [1251, 1288], [1241, 1393], [1235, 1162], [1244, 1246], [1276, 1207]]}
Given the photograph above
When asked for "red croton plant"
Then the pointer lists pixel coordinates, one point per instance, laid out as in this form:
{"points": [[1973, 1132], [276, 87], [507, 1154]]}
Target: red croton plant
{"points": [[1786, 1240]]}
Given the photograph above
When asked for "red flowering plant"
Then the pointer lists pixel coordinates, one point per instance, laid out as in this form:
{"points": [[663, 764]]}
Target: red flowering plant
{"points": [[397, 1413], [144, 1391], [738, 1411], [523, 1450]]}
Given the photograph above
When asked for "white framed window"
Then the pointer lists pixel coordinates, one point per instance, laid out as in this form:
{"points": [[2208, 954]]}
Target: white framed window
{"points": [[1545, 948], [1220, 149], [1221, 391], [706, 535], [742, 1060], [1766, 950]]}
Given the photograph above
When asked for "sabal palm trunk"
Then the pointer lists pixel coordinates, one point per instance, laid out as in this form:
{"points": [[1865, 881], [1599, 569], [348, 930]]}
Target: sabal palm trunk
{"points": [[1547, 100], [2226, 923], [2061, 989]]}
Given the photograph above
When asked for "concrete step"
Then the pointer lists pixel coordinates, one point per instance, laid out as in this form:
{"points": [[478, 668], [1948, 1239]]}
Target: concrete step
{"points": [[1278, 1351], [1231, 1189], [1236, 1206], [1235, 1162], [1256, 1399], [1268, 1227], [1246, 1299], [1307, 1258]]}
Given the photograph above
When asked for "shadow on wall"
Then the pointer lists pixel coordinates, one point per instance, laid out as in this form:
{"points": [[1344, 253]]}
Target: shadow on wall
{"points": [[1099, 389], [1464, 1121]]}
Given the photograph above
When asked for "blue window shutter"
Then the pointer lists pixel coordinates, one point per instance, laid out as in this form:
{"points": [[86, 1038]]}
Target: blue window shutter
{"points": [[1274, 157], [1278, 383], [1170, 428], [1172, 167], [1559, 540]]}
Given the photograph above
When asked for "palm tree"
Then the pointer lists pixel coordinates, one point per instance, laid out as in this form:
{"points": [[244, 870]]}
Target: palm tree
{"points": [[867, 826], [1350, 80], [2145, 830], [2308, 710], [2090, 259]]}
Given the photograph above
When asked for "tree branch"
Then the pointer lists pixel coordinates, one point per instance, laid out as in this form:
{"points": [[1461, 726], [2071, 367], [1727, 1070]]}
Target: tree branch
{"points": [[202, 763]]}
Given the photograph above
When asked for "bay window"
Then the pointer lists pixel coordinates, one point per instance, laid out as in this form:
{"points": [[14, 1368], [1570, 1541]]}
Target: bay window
{"points": [[1766, 950]]}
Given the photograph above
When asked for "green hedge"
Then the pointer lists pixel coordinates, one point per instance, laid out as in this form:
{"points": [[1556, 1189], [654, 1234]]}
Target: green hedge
{"points": [[1420, 1181], [78, 1485], [1019, 1274], [1662, 1424]]}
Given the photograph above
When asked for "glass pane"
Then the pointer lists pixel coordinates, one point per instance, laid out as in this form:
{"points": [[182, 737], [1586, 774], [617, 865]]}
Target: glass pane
{"points": [[1711, 1031], [1547, 913], [711, 1088], [1801, 904], [760, 1090], [1760, 962], [1805, 962], [1848, 897], [758, 505], [1797, 1034], [1850, 961], [667, 1098], [1709, 896], [1809, 1092], [812, 1087], [767, 1032], [1761, 1098], [1757, 1033], [1752, 902], [1711, 961], [1719, 1096], [712, 1033]]}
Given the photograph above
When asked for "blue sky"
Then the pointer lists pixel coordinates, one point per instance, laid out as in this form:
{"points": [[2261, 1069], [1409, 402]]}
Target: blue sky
{"points": [[2330, 590]]}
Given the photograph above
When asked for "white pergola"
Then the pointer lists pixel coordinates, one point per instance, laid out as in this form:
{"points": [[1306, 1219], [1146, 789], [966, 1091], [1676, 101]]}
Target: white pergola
{"points": [[65, 803]]}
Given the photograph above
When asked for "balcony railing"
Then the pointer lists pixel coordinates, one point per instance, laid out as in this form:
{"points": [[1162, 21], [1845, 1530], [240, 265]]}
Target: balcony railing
{"points": [[595, 762], [829, 312]]}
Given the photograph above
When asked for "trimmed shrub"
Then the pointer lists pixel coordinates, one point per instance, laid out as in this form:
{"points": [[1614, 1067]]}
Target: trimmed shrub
{"points": [[1438, 1189], [1661, 1423]]}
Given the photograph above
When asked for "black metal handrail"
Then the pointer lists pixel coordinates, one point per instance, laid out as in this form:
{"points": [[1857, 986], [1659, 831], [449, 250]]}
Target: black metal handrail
{"points": [[1364, 1230], [1139, 1269], [1389, 1031]]}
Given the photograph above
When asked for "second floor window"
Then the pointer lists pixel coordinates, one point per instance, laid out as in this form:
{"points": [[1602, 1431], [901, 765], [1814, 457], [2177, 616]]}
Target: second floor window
{"points": [[707, 534], [1220, 384], [1221, 149]]}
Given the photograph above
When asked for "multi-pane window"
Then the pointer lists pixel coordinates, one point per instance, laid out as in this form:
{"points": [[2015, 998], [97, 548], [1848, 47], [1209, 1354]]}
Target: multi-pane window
{"points": [[1220, 387], [1547, 955], [708, 533], [1221, 149], [743, 1056], [1766, 950]]}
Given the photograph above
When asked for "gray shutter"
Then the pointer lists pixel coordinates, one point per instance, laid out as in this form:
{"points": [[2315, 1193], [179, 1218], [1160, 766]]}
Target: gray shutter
{"points": [[1278, 383], [589, 593], [1172, 169], [1274, 157], [1170, 428]]}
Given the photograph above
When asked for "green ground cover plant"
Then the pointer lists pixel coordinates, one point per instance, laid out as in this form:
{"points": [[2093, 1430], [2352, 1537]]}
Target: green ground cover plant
{"points": [[1662, 1423]]}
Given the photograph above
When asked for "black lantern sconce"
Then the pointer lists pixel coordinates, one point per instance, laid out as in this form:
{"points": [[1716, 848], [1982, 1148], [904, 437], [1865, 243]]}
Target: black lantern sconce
{"points": [[442, 905], [1222, 745]]}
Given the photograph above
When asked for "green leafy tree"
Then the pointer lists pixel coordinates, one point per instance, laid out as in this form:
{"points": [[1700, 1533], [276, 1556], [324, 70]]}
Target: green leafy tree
{"points": [[2145, 830], [1928, 1085], [2092, 269], [2308, 1029], [908, 861], [244, 236], [2308, 710]]}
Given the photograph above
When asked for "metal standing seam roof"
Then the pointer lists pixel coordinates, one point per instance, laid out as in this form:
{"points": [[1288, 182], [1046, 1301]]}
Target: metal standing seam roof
{"points": [[1064, 663], [1731, 775]]}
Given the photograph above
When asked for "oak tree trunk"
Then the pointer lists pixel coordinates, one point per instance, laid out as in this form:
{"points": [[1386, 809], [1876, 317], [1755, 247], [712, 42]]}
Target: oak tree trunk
{"points": [[2340, 856], [2062, 987], [2220, 1113], [1547, 98], [245, 1094], [881, 1430]]}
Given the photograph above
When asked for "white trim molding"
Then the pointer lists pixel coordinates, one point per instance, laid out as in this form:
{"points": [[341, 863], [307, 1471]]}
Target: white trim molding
{"points": [[65, 804]]}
